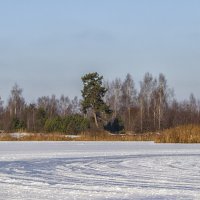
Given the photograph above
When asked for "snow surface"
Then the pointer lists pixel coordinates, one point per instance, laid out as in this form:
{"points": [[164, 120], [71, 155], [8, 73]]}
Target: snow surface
{"points": [[99, 170]]}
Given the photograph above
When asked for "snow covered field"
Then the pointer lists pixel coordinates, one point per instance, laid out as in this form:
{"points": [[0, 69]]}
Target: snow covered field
{"points": [[99, 170]]}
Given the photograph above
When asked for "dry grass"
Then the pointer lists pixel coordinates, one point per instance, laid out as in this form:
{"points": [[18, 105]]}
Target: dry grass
{"points": [[86, 136], [180, 134], [106, 136], [36, 137], [7, 137]]}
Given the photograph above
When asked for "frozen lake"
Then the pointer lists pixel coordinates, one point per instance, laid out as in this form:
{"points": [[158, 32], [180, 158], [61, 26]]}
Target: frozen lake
{"points": [[99, 170]]}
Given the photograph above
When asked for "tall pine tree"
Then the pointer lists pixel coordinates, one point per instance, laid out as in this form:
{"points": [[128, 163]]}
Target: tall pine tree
{"points": [[93, 93]]}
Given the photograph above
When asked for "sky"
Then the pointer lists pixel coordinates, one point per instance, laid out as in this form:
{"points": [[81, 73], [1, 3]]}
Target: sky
{"points": [[47, 45]]}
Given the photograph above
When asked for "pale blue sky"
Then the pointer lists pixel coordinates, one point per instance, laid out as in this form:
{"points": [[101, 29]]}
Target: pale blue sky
{"points": [[47, 45]]}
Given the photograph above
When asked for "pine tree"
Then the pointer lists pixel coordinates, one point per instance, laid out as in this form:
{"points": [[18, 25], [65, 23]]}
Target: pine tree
{"points": [[93, 93]]}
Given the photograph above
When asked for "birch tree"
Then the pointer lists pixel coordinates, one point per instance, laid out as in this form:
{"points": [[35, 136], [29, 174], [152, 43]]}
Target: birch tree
{"points": [[16, 102], [129, 96]]}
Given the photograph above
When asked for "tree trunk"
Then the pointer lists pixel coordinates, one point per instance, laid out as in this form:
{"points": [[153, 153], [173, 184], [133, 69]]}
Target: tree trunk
{"points": [[141, 118], [159, 117], [129, 118], [154, 115], [115, 109], [95, 120], [159, 114], [33, 121]]}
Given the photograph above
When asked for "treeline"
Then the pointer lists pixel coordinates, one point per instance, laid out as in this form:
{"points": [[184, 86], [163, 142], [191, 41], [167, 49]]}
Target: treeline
{"points": [[153, 107], [150, 108], [48, 114]]}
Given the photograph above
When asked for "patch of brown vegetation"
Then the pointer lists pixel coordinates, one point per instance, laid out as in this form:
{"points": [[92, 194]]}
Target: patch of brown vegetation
{"points": [[180, 134]]}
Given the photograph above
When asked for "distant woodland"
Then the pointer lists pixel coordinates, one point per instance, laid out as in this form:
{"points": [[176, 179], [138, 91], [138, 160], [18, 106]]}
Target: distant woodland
{"points": [[116, 106]]}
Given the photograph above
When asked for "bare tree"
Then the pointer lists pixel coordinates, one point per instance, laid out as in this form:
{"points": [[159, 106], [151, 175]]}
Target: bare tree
{"points": [[75, 104], [1, 106], [16, 102], [31, 117], [129, 96], [164, 96], [65, 107], [53, 106], [113, 95], [44, 102], [146, 97]]}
